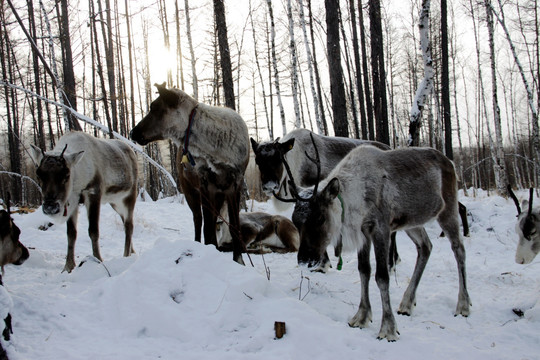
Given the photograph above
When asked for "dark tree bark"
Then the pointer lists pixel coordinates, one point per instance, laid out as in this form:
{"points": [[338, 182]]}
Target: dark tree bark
{"points": [[379, 73], [445, 82], [337, 88], [316, 69], [367, 92], [37, 83], [359, 87], [67, 65], [224, 54]]}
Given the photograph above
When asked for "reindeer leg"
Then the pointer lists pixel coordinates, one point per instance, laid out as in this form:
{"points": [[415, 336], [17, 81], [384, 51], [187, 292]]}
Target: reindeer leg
{"points": [[72, 237], [233, 206], [380, 239], [193, 198], [450, 226], [423, 247], [394, 256], [211, 205], [363, 316], [93, 208]]}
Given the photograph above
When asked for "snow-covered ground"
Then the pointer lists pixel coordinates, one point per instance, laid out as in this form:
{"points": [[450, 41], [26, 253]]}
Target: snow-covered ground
{"points": [[178, 299]]}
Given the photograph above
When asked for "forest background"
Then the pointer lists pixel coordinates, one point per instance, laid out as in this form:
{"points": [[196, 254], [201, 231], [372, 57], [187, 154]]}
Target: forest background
{"points": [[461, 76]]}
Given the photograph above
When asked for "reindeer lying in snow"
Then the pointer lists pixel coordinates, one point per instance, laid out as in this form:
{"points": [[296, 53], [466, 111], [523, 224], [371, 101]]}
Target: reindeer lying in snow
{"points": [[85, 170], [215, 156], [262, 233], [527, 228], [11, 252], [367, 196]]}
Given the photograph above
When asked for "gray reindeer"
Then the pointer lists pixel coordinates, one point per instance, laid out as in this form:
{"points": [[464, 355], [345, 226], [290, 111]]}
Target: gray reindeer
{"points": [[527, 227], [82, 169], [370, 194]]}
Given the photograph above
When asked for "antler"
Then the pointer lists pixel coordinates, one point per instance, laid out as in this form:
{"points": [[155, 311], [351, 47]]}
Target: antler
{"points": [[292, 184], [63, 151], [513, 196], [531, 192]]}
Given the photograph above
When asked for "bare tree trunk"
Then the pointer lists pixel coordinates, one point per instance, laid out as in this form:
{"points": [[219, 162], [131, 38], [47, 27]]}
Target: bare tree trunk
{"points": [[179, 62], [294, 65], [426, 86], [257, 63], [358, 69], [39, 108], [337, 88], [318, 120], [130, 57], [225, 55], [379, 73], [316, 70], [367, 92], [192, 54], [275, 66], [445, 80], [530, 97], [499, 166]]}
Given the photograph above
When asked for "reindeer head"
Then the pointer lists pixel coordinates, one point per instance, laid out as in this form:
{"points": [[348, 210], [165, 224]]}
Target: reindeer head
{"points": [[11, 249], [527, 228], [54, 174], [314, 213], [165, 115], [268, 157]]}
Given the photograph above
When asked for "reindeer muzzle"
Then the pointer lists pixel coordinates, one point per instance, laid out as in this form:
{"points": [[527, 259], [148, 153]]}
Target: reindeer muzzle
{"points": [[51, 207]]}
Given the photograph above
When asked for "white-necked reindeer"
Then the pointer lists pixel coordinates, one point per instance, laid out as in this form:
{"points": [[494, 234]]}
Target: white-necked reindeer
{"points": [[372, 193], [82, 169], [527, 228]]}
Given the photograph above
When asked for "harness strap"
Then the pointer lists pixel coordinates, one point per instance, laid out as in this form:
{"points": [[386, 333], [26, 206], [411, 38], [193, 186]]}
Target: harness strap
{"points": [[186, 155]]}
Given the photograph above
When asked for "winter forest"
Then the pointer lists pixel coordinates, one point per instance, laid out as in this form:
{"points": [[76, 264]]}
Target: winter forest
{"points": [[460, 76]]}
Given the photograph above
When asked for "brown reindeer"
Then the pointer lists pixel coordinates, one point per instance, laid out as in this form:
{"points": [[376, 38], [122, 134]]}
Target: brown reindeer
{"points": [[262, 233], [215, 153]]}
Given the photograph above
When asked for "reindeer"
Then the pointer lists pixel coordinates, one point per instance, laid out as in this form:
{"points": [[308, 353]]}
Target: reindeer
{"points": [[269, 159], [372, 193], [262, 233], [11, 249], [215, 153], [527, 228], [82, 169], [11, 252]]}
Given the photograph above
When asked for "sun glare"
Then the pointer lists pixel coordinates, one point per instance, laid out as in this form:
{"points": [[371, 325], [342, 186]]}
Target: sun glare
{"points": [[161, 60]]}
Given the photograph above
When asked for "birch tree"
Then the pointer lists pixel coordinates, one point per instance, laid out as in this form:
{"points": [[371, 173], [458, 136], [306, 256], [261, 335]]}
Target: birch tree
{"points": [[224, 53], [499, 167], [426, 85], [294, 66], [191, 53]]}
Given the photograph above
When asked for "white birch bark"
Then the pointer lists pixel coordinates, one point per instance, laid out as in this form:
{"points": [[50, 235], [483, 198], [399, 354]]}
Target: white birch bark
{"points": [[294, 67], [192, 53], [274, 65], [426, 86], [499, 167], [320, 128]]}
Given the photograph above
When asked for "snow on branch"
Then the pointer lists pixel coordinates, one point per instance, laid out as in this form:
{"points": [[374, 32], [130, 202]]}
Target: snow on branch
{"points": [[96, 124]]}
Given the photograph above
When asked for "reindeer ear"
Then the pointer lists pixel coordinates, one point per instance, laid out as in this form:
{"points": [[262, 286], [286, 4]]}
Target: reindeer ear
{"points": [[525, 205], [286, 146], [73, 159], [169, 97], [254, 144], [36, 154], [331, 190]]}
